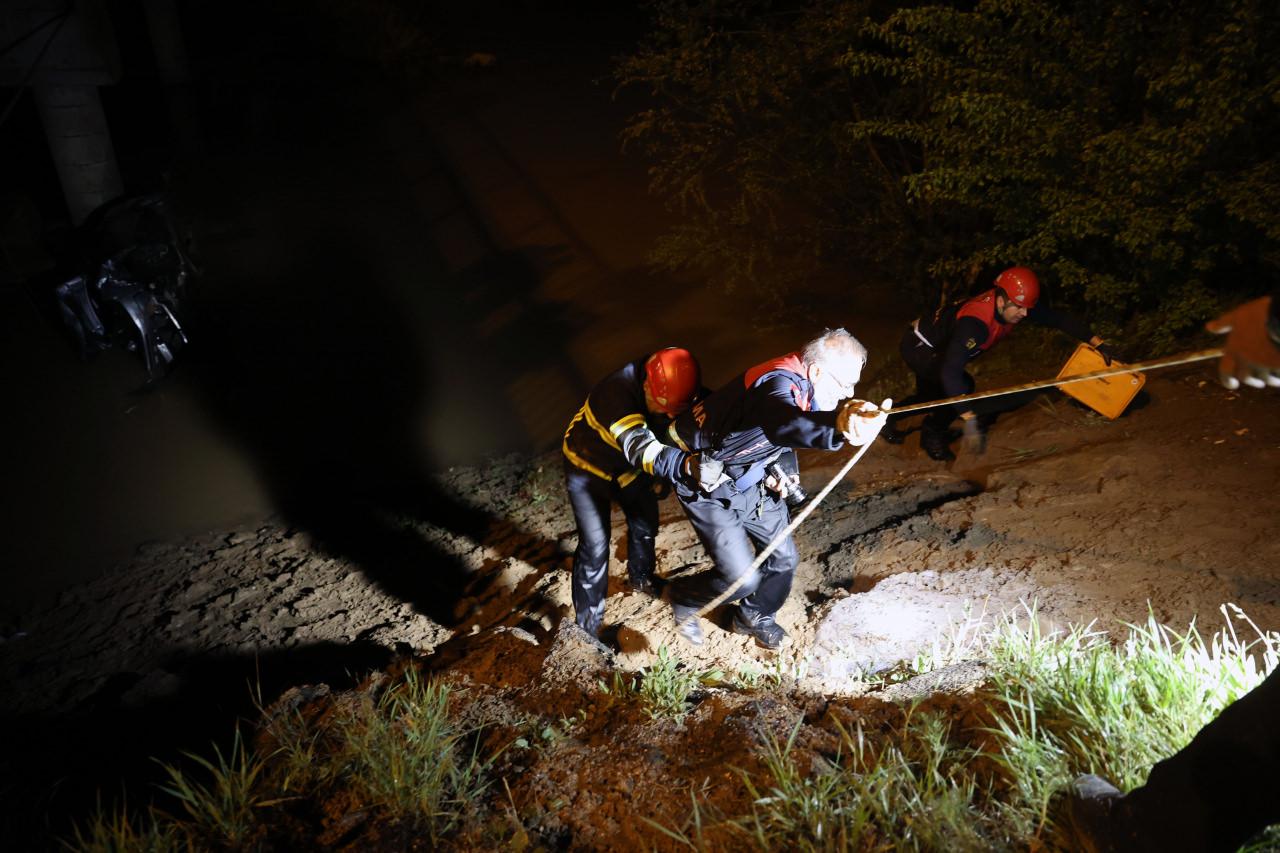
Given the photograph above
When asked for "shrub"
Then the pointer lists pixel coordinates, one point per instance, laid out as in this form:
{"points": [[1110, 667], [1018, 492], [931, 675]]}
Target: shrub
{"points": [[1124, 155]]}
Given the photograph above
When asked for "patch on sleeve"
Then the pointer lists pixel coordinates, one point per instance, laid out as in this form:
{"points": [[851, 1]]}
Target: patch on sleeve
{"points": [[971, 343]]}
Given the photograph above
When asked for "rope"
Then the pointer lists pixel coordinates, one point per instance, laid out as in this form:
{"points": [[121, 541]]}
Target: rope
{"points": [[1137, 367], [1170, 361], [781, 537]]}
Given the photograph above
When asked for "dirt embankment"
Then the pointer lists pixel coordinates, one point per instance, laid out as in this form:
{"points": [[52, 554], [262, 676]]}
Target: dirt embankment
{"points": [[1171, 508]]}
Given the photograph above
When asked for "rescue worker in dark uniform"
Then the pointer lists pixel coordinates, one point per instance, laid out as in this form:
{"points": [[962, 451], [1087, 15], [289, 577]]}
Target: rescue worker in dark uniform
{"points": [[1220, 789], [938, 348], [737, 433], [612, 453]]}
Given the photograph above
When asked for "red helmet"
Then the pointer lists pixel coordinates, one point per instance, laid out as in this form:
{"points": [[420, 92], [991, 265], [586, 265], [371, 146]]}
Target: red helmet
{"points": [[1020, 285], [673, 378]]}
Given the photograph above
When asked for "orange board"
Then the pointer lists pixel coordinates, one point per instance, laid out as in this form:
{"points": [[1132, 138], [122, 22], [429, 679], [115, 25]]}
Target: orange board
{"points": [[1107, 396]]}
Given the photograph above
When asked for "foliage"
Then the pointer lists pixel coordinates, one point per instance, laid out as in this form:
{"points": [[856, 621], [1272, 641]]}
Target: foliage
{"points": [[744, 132], [664, 688], [1123, 150], [223, 810], [773, 677], [117, 831], [404, 754], [548, 734], [1057, 705], [392, 35]]}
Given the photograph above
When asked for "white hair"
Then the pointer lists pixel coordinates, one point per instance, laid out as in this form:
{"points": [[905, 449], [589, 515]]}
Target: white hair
{"points": [[834, 346]]}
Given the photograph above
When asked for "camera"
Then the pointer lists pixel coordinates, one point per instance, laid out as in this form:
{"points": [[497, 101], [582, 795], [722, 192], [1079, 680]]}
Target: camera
{"points": [[788, 485]]}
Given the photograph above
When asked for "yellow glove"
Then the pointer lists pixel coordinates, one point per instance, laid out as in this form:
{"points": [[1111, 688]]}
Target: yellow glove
{"points": [[860, 422]]}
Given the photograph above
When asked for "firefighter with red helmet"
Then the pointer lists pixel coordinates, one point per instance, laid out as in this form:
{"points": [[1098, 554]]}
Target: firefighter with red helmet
{"points": [[613, 452], [938, 348]]}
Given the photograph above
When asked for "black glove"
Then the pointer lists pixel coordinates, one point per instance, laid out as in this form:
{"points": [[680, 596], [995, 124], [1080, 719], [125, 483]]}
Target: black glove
{"points": [[707, 473], [975, 436], [1108, 353]]}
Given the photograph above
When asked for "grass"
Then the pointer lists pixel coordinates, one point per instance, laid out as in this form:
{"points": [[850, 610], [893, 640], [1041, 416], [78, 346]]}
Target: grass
{"points": [[1158, 687], [117, 831], [399, 754], [403, 754], [1080, 415], [539, 485], [665, 688], [1026, 454], [982, 772], [1056, 705], [224, 808]]}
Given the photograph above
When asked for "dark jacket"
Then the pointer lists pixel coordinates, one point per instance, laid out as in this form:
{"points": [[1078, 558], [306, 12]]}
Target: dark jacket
{"points": [[757, 414], [613, 434], [965, 330]]}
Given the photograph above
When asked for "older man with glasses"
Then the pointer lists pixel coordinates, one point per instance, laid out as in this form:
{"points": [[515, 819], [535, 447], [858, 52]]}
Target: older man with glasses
{"points": [[731, 490]]}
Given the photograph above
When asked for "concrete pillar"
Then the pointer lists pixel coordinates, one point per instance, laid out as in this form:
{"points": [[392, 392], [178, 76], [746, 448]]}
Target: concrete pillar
{"points": [[170, 50], [76, 130]]}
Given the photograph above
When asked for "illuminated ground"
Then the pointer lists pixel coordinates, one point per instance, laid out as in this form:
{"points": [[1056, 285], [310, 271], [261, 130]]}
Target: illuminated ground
{"points": [[1093, 521]]}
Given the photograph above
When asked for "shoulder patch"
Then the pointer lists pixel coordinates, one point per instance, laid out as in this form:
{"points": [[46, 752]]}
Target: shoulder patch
{"points": [[971, 343]]}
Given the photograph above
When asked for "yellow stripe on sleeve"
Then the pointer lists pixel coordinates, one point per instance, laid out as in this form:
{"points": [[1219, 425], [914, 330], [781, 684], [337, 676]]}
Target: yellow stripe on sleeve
{"points": [[675, 437], [650, 455], [599, 428]]}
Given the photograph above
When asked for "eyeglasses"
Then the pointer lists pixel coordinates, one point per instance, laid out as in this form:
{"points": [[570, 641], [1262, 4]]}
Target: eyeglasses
{"points": [[846, 388]]}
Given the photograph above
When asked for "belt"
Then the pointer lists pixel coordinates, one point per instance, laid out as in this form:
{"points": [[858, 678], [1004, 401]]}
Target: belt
{"points": [[747, 476], [915, 327]]}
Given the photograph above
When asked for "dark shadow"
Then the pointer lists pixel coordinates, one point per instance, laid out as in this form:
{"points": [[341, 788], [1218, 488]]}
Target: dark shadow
{"points": [[329, 330], [314, 372], [56, 767]]}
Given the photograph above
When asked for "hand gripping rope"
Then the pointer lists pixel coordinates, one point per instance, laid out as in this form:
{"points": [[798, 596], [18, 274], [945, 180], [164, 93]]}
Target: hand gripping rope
{"points": [[1155, 364]]}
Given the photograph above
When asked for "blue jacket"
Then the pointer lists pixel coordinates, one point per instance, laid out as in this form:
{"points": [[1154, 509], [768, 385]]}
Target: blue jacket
{"points": [[756, 415]]}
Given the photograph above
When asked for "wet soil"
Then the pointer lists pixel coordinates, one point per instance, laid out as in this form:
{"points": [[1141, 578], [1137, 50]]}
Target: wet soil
{"points": [[1084, 520]]}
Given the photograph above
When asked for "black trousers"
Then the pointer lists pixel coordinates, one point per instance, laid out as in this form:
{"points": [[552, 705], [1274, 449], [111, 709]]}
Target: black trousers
{"points": [[733, 526], [1220, 789], [926, 363], [591, 498]]}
